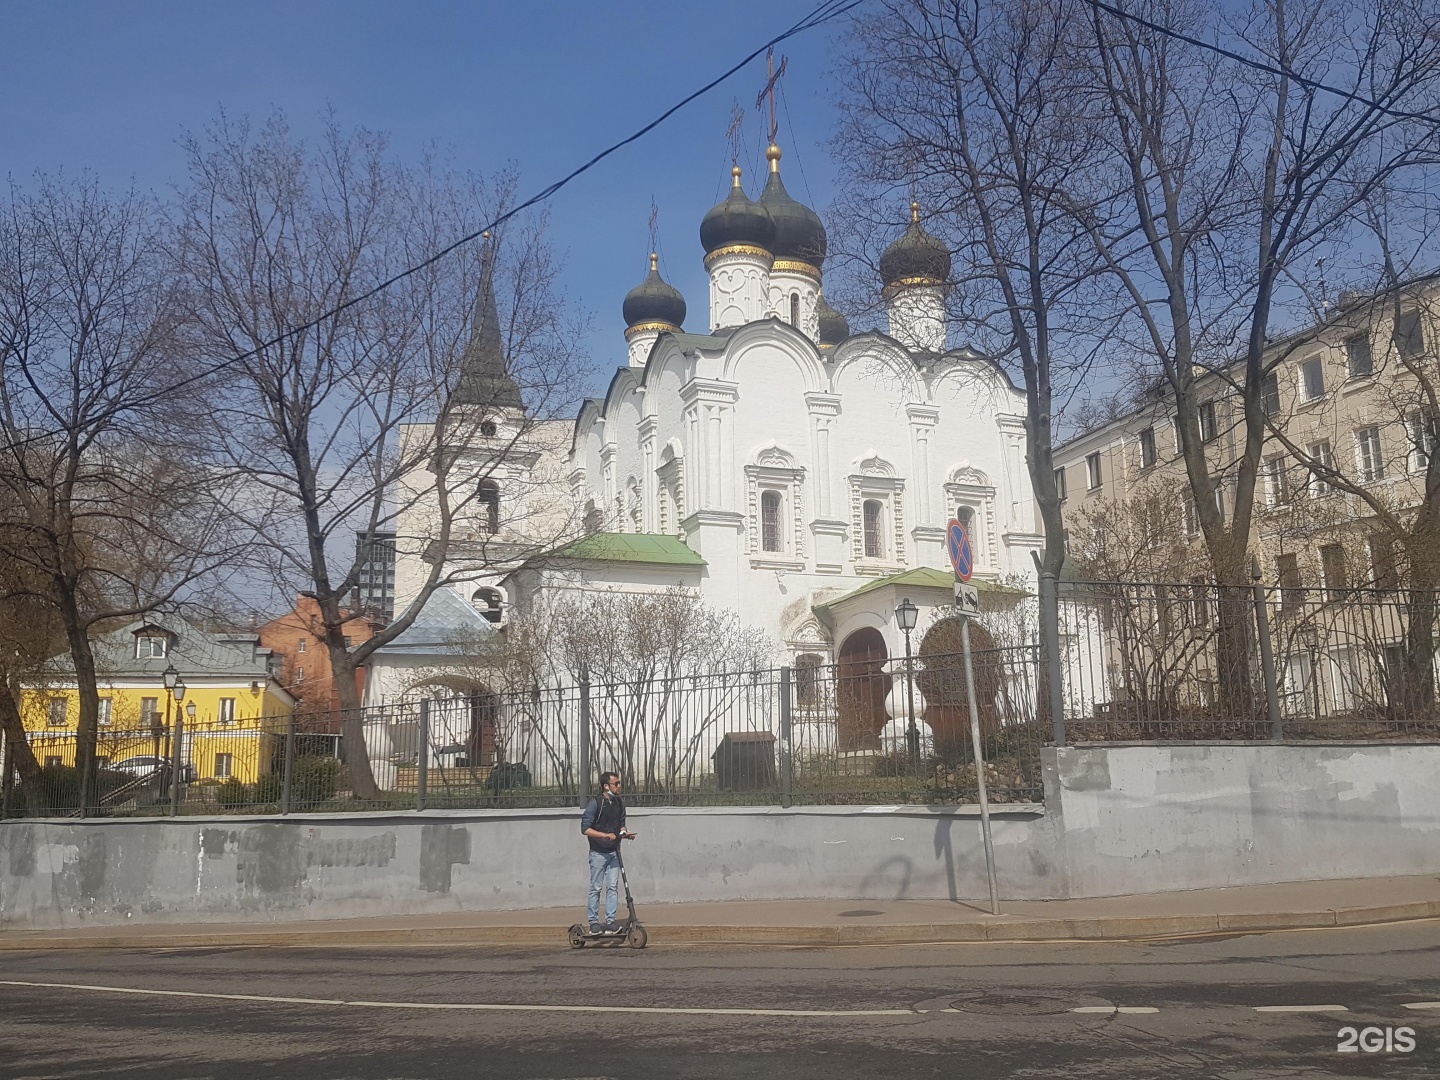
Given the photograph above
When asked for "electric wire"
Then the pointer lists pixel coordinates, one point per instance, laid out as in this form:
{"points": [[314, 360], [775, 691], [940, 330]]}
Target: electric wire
{"points": [[822, 13], [1260, 65]]}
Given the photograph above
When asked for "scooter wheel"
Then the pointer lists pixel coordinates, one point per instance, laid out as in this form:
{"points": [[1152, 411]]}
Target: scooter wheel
{"points": [[637, 937], [577, 936]]}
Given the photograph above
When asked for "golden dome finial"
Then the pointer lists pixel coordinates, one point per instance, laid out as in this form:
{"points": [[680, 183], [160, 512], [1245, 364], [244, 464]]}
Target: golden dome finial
{"points": [[772, 154], [735, 172], [654, 263], [915, 211]]}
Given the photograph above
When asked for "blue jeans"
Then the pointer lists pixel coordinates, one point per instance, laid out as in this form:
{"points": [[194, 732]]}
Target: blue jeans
{"points": [[604, 877]]}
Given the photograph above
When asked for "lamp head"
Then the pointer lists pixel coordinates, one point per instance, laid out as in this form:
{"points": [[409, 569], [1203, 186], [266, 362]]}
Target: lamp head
{"points": [[171, 676], [178, 689], [190, 710], [906, 614]]}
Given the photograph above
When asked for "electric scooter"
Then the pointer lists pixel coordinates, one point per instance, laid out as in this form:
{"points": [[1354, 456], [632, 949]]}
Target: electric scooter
{"points": [[632, 933]]}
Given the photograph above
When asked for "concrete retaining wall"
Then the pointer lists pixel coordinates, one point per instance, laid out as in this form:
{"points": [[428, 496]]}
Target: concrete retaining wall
{"points": [[1117, 820]]}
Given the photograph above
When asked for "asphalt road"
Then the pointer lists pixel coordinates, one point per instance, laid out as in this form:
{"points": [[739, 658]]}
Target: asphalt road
{"points": [[970, 1011]]}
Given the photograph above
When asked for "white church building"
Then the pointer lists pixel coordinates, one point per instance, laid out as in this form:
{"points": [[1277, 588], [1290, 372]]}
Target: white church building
{"points": [[783, 467]]}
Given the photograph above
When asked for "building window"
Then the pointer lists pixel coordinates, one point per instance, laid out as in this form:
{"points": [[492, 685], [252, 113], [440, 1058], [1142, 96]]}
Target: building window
{"points": [[59, 711], [1324, 460], [1208, 430], [795, 310], [1409, 341], [770, 504], [1192, 516], [53, 761], [807, 681], [1270, 394], [1060, 484], [874, 515], [149, 711], [487, 602], [227, 710], [1368, 462], [150, 648], [1332, 571], [300, 675], [1312, 379], [1384, 567], [224, 766], [489, 498], [300, 645], [1147, 448], [1092, 471], [1287, 572], [1277, 485], [1358, 358], [346, 640], [107, 710], [487, 428], [1219, 498], [1423, 440]]}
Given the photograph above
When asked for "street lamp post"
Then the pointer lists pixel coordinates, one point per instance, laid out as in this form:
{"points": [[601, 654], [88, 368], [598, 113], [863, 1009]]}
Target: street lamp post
{"points": [[905, 616], [171, 678], [178, 693]]}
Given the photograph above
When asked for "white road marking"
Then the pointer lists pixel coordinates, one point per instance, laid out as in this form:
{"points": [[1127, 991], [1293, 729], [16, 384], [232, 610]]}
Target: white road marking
{"points": [[459, 1005], [1421, 1005], [1112, 1009], [1300, 1008]]}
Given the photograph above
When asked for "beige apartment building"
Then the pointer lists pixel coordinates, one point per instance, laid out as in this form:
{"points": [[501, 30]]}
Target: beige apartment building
{"points": [[1350, 392]]}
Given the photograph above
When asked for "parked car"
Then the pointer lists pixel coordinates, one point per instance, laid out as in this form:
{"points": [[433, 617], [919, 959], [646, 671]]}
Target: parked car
{"points": [[139, 766]]}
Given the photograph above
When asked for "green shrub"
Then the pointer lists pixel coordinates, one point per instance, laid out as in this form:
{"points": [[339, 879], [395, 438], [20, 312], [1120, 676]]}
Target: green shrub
{"points": [[508, 775], [60, 786], [313, 779], [233, 793], [270, 788]]}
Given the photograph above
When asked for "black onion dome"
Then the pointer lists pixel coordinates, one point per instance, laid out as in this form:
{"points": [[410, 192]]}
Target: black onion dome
{"points": [[737, 220], [799, 232], [654, 300], [915, 258], [833, 327]]}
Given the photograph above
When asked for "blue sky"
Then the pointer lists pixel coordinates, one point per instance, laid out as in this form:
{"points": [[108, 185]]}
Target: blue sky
{"points": [[109, 87]]}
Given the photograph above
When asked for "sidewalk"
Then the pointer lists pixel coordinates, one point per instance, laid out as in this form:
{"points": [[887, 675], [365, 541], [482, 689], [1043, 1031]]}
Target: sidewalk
{"points": [[1295, 905]]}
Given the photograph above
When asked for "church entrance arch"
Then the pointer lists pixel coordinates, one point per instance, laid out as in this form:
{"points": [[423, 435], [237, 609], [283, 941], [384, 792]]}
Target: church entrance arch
{"points": [[861, 689], [942, 681]]}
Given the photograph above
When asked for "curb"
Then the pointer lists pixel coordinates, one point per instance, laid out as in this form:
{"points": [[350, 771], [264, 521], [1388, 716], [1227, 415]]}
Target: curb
{"points": [[1019, 930]]}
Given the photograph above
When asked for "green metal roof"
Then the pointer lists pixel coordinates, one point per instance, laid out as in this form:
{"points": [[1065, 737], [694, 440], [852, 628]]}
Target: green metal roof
{"points": [[922, 577], [653, 548]]}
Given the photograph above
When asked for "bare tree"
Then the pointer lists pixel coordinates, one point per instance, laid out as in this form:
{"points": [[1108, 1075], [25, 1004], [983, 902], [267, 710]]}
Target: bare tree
{"points": [[1234, 180], [343, 415], [107, 513]]}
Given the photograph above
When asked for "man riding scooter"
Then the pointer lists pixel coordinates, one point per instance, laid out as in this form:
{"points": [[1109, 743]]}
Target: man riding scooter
{"points": [[603, 824]]}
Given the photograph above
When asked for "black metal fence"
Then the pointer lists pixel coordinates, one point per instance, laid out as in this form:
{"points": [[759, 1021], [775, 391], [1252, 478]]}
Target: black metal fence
{"points": [[1198, 661], [807, 735]]}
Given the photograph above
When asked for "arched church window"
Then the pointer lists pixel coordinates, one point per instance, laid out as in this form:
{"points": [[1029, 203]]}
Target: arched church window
{"points": [[966, 516], [770, 521], [795, 310], [487, 602], [489, 499], [807, 680], [487, 428], [873, 514], [594, 519]]}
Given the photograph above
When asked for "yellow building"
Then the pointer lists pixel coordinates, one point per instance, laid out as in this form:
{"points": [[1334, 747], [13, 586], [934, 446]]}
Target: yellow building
{"points": [[154, 673]]}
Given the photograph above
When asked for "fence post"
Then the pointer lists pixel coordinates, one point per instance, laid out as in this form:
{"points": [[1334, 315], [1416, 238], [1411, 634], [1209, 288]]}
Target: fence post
{"points": [[582, 782], [289, 757], [176, 763], [1267, 659], [1050, 646], [422, 772], [7, 785], [786, 760]]}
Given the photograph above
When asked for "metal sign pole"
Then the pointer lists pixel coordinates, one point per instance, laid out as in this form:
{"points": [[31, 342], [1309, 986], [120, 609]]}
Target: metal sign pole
{"points": [[979, 763]]}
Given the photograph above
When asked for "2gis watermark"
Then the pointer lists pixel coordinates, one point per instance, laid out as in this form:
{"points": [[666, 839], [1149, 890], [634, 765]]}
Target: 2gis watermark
{"points": [[1375, 1040]]}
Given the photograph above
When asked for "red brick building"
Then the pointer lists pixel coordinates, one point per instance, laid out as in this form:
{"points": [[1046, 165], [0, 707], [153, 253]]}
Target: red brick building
{"points": [[302, 662]]}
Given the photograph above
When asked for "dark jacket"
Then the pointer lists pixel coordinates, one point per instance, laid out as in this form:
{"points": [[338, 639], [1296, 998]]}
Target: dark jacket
{"points": [[604, 813]]}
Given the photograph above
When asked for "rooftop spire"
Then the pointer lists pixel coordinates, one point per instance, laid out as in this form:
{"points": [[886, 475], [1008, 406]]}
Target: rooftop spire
{"points": [[484, 374]]}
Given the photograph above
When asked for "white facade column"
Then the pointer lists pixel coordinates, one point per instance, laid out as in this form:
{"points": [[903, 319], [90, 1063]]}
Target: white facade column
{"points": [[709, 407], [923, 419], [649, 510], [612, 493]]}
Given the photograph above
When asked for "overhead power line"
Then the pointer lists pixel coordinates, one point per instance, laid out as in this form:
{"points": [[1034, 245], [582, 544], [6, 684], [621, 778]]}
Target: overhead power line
{"points": [[1260, 65], [822, 13]]}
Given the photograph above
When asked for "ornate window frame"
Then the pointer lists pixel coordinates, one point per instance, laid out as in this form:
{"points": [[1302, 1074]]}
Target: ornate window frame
{"points": [[969, 486], [875, 478], [776, 469], [670, 491]]}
